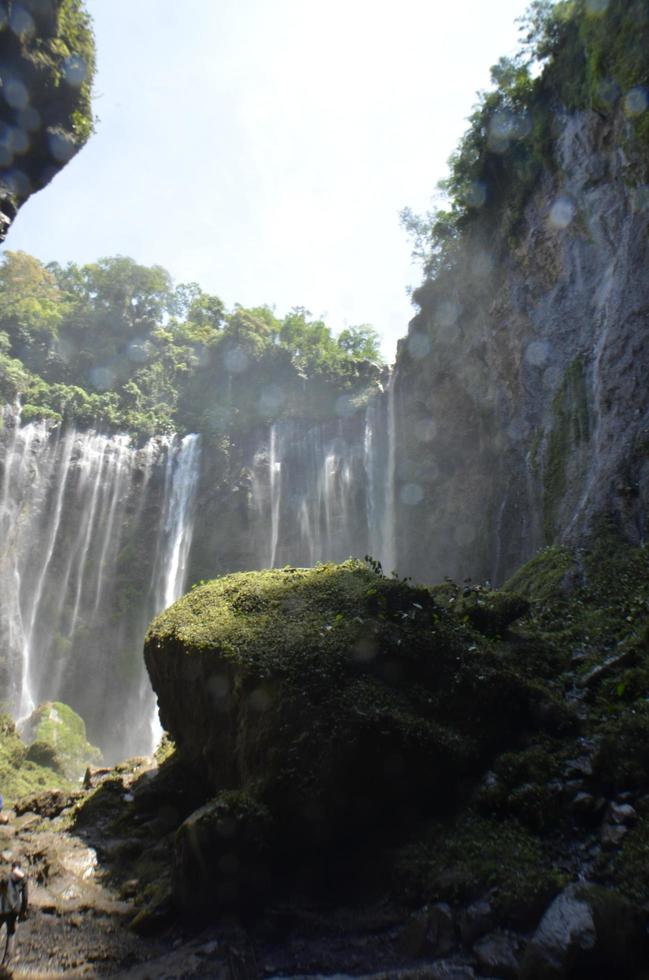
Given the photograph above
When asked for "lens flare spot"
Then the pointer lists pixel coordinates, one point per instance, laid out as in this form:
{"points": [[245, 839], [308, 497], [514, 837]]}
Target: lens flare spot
{"points": [[75, 70], [18, 183], [138, 351], [448, 313], [271, 399], [15, 94], [464, 534], [608, 91], [411, 494], [260, 700], [235, 360], [537, 353], [636, 101], [425, 430], [596, 7], [418, 345], [61, 147], [640, 197], [561, 213], [102, 378], [345, 407], [29, 119], [482, 265], [476, 195], [21, 22]]}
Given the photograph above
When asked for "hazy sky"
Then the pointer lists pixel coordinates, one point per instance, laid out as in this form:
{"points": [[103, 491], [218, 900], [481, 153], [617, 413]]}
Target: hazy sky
{"points": [[264, 148]]}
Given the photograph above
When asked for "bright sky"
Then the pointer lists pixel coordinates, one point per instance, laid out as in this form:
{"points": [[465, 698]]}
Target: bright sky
{"points": [[264, 148]]}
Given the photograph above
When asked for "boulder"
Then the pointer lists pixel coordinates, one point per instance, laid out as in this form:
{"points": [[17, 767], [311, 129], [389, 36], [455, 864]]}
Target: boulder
{"points": [[338, 698], [57, 739], [587, 931], [498, 955], [49, 803], [430, 932], [221, 856]]}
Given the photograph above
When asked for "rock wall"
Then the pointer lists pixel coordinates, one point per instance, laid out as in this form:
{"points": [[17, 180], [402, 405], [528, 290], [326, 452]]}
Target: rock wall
{"points": [[47, 64], [523, 406]]}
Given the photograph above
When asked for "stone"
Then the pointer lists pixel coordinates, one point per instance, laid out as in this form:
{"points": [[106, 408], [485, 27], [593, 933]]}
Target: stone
{"points": [[586, 931], [57, 739], [221, 856], [612, 834], [499, 954], [49, 803], [430, 932], [621, 813], [475, 920], [64, 111]]}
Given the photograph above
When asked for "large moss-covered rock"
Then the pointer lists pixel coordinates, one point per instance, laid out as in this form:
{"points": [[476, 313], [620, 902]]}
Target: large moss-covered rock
{"points": [[47, 56], [340, 699], [57, 737]]}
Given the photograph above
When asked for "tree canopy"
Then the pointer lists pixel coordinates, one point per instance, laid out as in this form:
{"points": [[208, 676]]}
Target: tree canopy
{"points": [[114, 343]]}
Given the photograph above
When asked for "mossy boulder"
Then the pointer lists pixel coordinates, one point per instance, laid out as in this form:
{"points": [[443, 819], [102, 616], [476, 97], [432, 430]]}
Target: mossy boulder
{"points": [[20, 776], [222, 854], [57, 737], [340, 699]]}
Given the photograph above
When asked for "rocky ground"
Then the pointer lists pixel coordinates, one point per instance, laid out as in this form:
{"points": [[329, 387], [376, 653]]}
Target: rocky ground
{"points": [[526, 859]]}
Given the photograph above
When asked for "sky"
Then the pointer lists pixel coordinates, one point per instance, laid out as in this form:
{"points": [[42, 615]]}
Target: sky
{"points": [[264, 148]]}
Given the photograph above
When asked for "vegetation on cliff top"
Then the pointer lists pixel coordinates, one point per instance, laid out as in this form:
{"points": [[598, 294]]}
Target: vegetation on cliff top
{"points": [[118, 345], [47, 52], [576, 54]]}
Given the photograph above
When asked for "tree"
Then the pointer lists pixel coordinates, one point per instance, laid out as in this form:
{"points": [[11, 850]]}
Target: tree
{"points": [[361, 342]]}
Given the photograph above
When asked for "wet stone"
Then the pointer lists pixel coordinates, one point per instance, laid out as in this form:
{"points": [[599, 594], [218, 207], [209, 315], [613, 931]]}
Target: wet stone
{"points": [[612, 835], [430, 932], [475, 920], [499, 954]]}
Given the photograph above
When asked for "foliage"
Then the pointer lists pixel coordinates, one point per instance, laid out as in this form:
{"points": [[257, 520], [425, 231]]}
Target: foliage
{"points": [[574, 55], [116, 344], [20, 776]]}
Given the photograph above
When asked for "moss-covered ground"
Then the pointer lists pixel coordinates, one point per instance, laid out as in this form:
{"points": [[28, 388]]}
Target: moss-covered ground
{"points": [[20, 776], [533, 701]]}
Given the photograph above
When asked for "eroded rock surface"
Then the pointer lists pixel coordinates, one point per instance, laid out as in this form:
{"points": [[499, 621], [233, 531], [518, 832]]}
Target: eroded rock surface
{"points": [[47, 64]]}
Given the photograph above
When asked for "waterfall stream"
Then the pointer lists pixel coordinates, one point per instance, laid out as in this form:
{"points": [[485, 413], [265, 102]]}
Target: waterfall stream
{"points": [[76, 587], [96, 538]]}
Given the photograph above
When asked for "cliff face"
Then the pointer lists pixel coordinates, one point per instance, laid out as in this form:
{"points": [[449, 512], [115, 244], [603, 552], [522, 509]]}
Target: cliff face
{"points": [[47, 64], [522, 380]]}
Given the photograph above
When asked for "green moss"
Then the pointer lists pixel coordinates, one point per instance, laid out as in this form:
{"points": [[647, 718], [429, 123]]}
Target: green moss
{"points": [[622, 761], [541, 578], [18, 775], [336, 686], [58, 740], [525, 786], [628, 867], [475, 855]]}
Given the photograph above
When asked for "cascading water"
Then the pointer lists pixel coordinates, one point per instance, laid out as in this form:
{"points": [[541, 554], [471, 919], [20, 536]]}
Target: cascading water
{"points": [[77, 584], [96, 538], [325, 491]]}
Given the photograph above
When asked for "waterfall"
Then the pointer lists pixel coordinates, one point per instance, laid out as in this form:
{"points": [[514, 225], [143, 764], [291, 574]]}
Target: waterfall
{"points": [[379, 454], [305, 484], [96, 534], [179, 518], [388, 528], [91, 547], [174, 542]]}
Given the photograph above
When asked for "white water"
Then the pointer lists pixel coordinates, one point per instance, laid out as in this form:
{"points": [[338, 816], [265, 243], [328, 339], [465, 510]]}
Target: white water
{"points": [[74, 601], [96, 534], [326, 491]]}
